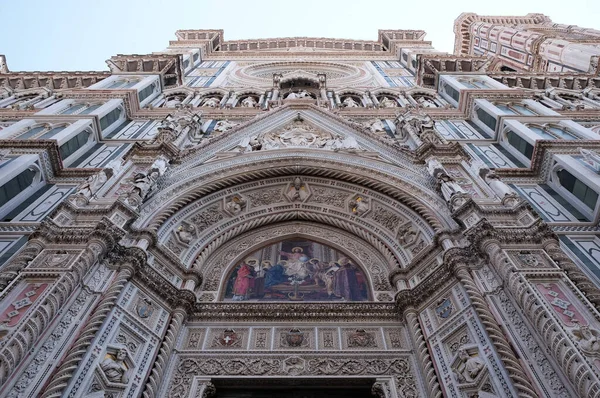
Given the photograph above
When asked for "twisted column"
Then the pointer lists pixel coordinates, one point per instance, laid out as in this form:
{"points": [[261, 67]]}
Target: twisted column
{"points": [[511, 363], [573, 364], [166, 348], [62, 375], [425, 362], [11, 270]]}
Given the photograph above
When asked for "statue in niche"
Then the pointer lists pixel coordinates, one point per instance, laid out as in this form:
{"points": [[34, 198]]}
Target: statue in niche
{"points": [[449, 187], [212, 102], [425, 102], [92, 184], [185, 232], [302, 94], [469, 366], [114, 367], [386, 102], [160, 164], [224, 125], [249, 102], [587, 339], [349, 102], [144, 182], [236, 205]]}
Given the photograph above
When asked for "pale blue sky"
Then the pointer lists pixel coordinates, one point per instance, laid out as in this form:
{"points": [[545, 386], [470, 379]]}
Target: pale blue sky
{"points": [[82, 34]]}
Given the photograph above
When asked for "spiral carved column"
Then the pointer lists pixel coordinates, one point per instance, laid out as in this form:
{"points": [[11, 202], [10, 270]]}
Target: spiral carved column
{"points": [[62, 375], [572, 362], [166, 348], [11, 270], [511, 363], [418, 340]]}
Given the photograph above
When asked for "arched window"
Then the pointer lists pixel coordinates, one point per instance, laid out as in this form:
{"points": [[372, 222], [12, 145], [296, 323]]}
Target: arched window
{"points": [[32, 132], [581, 191], [520, 144], [74, 144], [552, 133], [90, 109], [15, 186], [74, 108]]}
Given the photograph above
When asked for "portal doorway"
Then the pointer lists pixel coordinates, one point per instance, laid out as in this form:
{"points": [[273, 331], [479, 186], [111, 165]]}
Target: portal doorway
{"points": [[294, 388]]}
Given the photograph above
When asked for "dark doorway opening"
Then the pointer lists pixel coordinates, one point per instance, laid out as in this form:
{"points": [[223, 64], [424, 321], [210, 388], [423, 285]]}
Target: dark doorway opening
{"points": [[294, 388]]}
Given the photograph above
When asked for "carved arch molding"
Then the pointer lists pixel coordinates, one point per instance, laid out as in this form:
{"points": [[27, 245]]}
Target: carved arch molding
{"points": [[393, 229]]}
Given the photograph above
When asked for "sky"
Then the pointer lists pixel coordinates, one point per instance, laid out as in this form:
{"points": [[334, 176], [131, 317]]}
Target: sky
{"points": [[70, 35]]}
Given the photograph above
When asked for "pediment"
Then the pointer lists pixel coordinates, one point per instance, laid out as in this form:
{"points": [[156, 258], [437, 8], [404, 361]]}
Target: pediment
{"points": [[300, 126]]}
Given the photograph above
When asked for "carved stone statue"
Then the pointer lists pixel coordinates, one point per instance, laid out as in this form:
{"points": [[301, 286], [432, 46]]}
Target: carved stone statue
{"points": [[249, 102], [449, 187], [414, 124], [212, 102], [349, 102], [299, 95], [425, 102], [185, 232], [92, 184], [359, 205], [499, 187], [224, 125], [470, 366], [143, 182], [386, 102], [115, 368], [376, 127], [236, 205], [160, 164], [587, 339]]}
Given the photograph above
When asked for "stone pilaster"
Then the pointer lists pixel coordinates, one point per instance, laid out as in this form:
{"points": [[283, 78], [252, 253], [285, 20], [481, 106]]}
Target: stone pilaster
{"points": [[18, 344], [511, 363], [569, 358], [69, 365]]}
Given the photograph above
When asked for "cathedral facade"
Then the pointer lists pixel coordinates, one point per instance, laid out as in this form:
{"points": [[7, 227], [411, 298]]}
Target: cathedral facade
{"points": [[307, 217]]}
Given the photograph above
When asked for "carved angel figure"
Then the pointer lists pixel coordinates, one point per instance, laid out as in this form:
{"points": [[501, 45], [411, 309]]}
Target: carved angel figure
{"points": [[587, 339], [386, 102], [249, 102], [349, 102], [115, 368], [426, 102], [449, 187], [376, 127], [212, 102]]}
